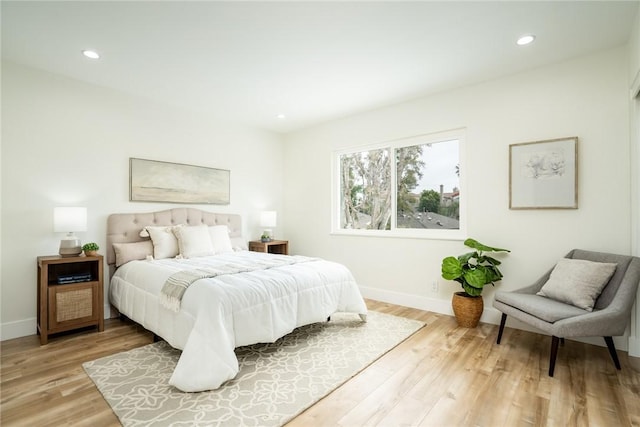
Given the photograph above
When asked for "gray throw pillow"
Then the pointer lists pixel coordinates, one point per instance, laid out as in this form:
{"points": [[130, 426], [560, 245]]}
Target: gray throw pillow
{"points": [[578, 282], [126, 252]]}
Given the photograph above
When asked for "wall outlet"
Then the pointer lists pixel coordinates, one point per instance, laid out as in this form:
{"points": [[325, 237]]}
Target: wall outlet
{"points": [[434, 286]]}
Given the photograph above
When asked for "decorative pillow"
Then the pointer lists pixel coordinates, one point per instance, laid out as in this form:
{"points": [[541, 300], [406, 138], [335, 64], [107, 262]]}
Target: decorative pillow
{"points": [[126, 252], [165, 243], [220, 239], [238, 243], [194, 241], [578, 282]]}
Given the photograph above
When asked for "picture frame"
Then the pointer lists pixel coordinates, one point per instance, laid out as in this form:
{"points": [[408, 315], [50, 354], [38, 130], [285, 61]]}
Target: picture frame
{"points": [[157, 181], [544, 174]]}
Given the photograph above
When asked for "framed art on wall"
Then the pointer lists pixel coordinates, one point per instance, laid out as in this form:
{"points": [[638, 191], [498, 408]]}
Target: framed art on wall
{"points": [[544, 174], [155, 181]]}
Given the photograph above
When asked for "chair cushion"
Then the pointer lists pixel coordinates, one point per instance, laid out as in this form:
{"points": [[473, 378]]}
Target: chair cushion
{"points": [[578, 282], [538, 306]]}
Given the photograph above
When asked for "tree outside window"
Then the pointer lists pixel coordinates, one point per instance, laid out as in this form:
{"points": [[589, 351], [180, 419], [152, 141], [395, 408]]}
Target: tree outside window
{"points": [[365, 190]]}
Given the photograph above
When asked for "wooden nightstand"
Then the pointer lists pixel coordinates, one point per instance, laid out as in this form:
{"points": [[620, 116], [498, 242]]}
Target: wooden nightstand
{"points": [[273, 247], [69, 294]]}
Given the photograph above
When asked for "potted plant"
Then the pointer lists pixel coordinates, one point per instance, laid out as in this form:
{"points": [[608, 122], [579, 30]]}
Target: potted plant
{"points": [[90, 249], [265, 238], [473, 271]]}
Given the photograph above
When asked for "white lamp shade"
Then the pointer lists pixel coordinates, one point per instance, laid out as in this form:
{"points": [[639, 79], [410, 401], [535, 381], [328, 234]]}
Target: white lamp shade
{"points": [[268, 218], [69, 219]]}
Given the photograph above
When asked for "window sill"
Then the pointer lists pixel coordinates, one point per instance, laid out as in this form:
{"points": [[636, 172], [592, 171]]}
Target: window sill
{"points": [[404, 234]]}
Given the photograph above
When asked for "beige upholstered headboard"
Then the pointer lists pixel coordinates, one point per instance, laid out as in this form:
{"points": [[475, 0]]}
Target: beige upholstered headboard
{"points": [[126, 227]]}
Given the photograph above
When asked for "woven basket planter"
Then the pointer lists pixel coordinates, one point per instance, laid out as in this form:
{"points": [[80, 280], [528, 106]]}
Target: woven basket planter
{"points": [[467, 309]]}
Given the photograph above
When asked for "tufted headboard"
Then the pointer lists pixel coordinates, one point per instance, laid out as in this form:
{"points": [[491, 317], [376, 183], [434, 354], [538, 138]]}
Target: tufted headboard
{"points": [[126, 227]]}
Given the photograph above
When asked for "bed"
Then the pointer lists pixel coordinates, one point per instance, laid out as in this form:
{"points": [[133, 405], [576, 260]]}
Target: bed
{"points": [[231, 297]]}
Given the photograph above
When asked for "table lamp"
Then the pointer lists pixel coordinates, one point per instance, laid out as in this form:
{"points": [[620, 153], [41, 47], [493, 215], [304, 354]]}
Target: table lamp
{"points": [[268, 220], [69, 220]]}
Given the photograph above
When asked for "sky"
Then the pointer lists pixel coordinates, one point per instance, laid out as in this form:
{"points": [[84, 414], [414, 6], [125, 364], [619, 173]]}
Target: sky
{"points": [[442, 170]]}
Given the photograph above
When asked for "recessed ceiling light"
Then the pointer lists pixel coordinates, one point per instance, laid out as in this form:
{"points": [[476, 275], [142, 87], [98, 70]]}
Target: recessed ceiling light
{"points": [[281, 116], [91, 54], [529, 38]]}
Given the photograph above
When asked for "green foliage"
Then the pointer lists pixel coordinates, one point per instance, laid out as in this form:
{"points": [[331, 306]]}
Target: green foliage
{"points": [[474, 269], [265, 237], [429, 201], [90, 247], [366, 187], [408, 174], [452, 210]]}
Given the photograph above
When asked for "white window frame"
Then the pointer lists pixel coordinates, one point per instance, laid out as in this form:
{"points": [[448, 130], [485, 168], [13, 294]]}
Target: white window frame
{"points": [[432, 138]]}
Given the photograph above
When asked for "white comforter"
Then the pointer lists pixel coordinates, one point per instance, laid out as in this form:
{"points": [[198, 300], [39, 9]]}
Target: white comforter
{"points": [[224, 312]]}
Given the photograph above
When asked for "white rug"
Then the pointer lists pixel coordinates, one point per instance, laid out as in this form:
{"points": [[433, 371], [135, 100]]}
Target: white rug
{"points": [[276, 381]]}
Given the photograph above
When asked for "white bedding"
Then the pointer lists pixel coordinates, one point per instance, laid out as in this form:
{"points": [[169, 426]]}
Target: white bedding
{"points": [[221, 313]]}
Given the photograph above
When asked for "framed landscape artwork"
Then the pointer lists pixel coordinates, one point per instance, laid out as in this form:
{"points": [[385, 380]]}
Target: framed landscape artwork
{"points": [[155, 181], [544, 174]]}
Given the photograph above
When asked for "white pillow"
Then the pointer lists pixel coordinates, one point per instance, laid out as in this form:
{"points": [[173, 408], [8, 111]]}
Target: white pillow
{"points": [[239, 243], [194, 241], [578, 282], [165, 243], [126, 252], [220, 239]]}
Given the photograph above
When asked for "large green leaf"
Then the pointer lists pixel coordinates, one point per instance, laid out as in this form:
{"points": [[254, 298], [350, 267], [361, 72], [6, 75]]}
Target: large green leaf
{"points": [[474, 292], [464, 258], [451, 268], [474, 244], [493, 274], [476, 277], [491, 260]]}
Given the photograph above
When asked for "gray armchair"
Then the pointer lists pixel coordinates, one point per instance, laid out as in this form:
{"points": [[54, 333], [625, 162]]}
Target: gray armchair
{"points": [[609, 317]]}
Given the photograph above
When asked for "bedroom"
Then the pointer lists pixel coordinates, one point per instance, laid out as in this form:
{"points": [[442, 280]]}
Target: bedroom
{"points": [[66, 141]]}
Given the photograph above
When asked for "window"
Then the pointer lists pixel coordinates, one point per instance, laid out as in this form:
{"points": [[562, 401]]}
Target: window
{"points": [[409, 187]]}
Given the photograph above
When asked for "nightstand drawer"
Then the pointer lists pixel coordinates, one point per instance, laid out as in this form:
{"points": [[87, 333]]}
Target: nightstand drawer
{"points": [[73, 305]]}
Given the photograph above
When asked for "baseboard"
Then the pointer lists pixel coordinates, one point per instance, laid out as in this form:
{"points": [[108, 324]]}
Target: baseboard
{"points": [[26, 327], [17, 329], [407, 300], [634, 347], [109, 311], [490, 315]]}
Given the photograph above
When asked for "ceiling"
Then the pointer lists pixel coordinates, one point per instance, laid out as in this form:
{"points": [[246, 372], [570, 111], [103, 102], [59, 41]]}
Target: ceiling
{"points": [[247, 62]]}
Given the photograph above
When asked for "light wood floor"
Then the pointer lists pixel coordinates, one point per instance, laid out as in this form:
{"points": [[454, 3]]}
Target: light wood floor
{"points": [[441, 376]]}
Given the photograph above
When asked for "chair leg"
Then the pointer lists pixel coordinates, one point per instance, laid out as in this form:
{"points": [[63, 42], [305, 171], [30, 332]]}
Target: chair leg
{"points": [[612, 351], [554, 353], [502, 323]]}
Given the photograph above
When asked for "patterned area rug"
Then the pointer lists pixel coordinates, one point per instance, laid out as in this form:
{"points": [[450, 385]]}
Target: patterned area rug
{"points": [[276, 382]]}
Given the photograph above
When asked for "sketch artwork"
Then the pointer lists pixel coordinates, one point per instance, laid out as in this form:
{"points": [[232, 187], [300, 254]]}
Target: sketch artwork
{"points": [[544, 174], [544, 165]]}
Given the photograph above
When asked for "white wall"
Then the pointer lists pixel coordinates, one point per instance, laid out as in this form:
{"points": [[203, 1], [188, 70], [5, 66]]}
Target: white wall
{"points": [[585, 97], [68, 143]]}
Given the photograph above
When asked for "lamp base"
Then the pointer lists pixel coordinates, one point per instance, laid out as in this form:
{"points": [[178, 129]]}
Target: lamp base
{"points": [[267, 235], [70, 247]]}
